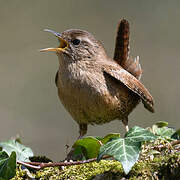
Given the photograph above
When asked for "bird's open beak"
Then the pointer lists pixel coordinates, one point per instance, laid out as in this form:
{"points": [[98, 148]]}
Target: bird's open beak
{"points": [[63, 43]]}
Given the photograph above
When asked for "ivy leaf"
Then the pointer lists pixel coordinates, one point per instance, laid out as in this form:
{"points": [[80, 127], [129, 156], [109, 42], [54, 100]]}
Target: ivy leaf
{"points": [[164, 131], [123, 150], [79, 153], [126, 150], [90, 144], [138, 134], [23, 153], [161, 124], [176, 135], [108, 137], [7, 165], [161, 129]]}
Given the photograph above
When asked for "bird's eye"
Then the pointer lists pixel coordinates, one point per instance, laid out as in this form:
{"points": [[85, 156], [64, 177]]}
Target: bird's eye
{"points": [[76, 41]]}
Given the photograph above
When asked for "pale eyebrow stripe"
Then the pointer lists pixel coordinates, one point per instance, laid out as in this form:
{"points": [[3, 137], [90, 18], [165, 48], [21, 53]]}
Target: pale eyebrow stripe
{"points": [[85, 39]]}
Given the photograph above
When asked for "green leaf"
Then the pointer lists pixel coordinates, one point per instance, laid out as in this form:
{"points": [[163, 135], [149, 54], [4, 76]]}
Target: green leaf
{"points": [[164, 131], [90, 144], [109, 137], [3, 157], [123, 150], [138, 134], [7, 165], [127, 150], [79, 153], [160, 124], [23, 153], [176, 135]]}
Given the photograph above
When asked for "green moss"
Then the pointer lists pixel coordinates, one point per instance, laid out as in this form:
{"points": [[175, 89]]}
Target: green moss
{"points": [[78, 172], [161, 166], [154, 163]]}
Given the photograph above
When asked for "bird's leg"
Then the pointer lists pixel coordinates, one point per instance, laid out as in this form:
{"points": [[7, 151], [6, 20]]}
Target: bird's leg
{"points": [[125, 122], [82, 130]]}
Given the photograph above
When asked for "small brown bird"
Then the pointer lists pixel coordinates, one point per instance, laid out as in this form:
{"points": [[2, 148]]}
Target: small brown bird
{"points": [[94, 88]]}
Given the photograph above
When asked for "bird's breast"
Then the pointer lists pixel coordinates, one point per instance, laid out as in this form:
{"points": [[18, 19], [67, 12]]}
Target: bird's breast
{"points": [[90, 97]]}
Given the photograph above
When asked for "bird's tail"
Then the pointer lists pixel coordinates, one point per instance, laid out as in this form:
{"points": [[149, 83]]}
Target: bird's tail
{"points": [[121, 54]]}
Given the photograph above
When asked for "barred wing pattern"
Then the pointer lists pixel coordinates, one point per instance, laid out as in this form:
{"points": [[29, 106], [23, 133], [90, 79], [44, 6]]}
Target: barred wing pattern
{"points": [[131, 82]]}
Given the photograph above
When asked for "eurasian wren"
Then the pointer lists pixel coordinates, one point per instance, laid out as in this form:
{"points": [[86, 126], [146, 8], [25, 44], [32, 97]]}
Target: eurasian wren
{"points": [[94, 88]]}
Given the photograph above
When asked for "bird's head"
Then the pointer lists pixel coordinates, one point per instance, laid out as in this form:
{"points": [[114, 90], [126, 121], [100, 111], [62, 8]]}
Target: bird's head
{"points": [[77, 44]]}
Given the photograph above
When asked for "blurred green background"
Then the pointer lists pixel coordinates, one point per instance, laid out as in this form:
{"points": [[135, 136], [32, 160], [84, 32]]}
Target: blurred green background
{"points": [[29, 104]]}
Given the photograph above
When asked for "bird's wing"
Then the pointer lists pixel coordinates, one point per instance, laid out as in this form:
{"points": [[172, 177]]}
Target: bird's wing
{"points": [[117, 72], [56, 78]]}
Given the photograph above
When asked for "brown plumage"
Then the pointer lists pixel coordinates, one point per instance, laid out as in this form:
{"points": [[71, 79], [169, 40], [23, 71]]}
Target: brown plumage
{"points": [[94, 88], [121, 53]]}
